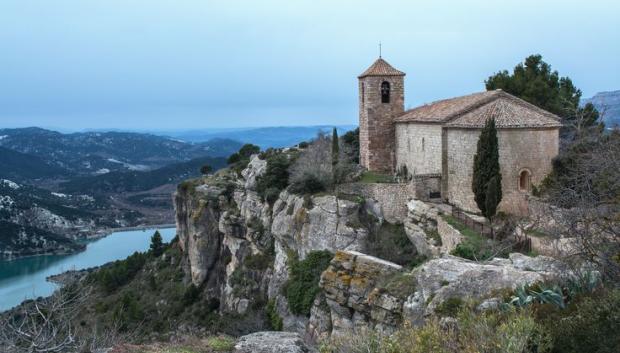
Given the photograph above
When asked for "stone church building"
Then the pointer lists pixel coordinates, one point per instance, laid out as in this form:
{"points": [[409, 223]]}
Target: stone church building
{"points": [[435, 144]]}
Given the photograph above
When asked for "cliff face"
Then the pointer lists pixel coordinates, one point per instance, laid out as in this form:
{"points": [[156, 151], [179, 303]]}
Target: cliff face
{"points": [[240, 249], [239, 246]]}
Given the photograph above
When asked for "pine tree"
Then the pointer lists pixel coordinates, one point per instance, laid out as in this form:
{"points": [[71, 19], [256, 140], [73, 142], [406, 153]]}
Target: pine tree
{"points": [[487, 179], [157, 244]]}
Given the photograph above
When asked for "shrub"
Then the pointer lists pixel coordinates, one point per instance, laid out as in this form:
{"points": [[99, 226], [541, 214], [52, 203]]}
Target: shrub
{"points": [[390, 242], [119, 273], [192, 293], [449, 307], [590, 324], [275, 178], [221, 343], [272, 316], [303, 283], [308, 183]]}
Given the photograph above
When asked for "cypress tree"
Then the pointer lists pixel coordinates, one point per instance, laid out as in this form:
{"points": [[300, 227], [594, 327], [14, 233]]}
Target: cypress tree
{"points": [[335, 155], [487, 179]]}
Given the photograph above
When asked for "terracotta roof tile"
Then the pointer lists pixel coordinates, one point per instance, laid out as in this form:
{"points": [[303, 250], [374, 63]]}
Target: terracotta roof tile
{"points": [[381, 68], [473, 110]]}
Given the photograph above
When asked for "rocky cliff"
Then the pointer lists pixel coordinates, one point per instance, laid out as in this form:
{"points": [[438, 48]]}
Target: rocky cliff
{"points": [[239, 249]]}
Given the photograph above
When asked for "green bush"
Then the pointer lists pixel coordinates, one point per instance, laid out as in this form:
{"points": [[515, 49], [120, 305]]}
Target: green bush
{"points": [[275, 321], [120, 272], [390, 242], [308, 184], [450, 307], [589, 324], [275, 178], [303, 283]]}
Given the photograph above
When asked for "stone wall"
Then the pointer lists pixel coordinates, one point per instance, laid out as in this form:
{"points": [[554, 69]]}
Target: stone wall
{"points": [[376, 121], [519, 149], [393, 198], [418, 146], [450, 236]]}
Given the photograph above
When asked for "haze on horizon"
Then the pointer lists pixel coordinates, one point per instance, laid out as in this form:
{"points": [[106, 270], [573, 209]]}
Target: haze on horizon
{"points": [[163, 64]]}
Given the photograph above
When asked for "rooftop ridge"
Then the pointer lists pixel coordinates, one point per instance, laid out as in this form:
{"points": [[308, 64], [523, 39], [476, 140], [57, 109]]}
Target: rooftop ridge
{"points": [[381, 68]]}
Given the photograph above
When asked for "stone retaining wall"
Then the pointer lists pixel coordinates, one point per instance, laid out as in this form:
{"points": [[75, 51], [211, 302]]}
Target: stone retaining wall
{"points": [[393, 198], [450, 237]]}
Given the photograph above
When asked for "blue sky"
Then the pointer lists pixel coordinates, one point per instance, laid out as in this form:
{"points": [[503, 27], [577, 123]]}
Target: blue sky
{"points": [[182, 64]]}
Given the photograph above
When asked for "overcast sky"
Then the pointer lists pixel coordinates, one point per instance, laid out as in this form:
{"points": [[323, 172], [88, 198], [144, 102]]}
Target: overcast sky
{"points": [[183, 64]]}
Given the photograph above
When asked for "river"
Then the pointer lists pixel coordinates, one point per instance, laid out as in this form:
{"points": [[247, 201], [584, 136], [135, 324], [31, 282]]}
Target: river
{"points": [[26, 278]]}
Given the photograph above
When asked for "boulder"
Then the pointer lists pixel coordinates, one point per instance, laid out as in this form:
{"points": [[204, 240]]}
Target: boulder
{"points": [[271, 342]]}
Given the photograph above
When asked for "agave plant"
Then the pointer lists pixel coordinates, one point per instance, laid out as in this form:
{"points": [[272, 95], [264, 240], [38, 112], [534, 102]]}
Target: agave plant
{"points": [[552, 295], [522, 298]]}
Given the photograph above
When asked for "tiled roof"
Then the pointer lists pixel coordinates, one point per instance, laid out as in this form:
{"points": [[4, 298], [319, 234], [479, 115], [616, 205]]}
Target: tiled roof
{"points": [[472, 111], [381, 68]]}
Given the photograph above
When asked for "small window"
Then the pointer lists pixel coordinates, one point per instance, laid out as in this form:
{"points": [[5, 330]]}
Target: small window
{"points": [[422, 144], [385, 92], [525, 178]]}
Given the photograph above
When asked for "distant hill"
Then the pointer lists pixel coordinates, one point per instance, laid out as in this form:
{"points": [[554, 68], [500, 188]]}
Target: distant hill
{"points": [[35, 220], [133, 181], [607, 103], [91, 153], [20, 166], [264, 137]]}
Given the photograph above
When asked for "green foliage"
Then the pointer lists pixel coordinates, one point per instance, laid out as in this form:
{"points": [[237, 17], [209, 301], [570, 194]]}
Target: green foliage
{"points": [[259, 261], [335, 154], [400, 284], [352, 140], [488, 332], [374, 177], [221, 343], [390, 242], [119, 273], [450, 307], [486, 169], [590, 324], [275, 321], [309, 184], [157, 244], [303, 283], [475, 246], [239, 160], [247, 150], [534, 82], [192, 293], [206, 169], [275, 178]]}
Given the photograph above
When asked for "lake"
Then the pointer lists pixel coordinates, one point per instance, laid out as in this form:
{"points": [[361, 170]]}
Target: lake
{"points": [[25, 278]]}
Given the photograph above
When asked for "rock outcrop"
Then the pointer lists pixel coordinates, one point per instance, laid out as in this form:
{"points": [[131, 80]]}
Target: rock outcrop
{"points": [[222, 222], [239, 248], [361, 291], [271, 342]]}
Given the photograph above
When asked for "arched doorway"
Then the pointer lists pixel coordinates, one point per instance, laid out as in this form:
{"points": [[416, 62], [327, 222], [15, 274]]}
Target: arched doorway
{"points": [[525, 180]]}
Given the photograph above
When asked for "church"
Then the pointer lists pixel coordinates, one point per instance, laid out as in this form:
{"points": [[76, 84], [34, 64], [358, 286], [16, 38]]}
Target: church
{"points": [[434, 144]]}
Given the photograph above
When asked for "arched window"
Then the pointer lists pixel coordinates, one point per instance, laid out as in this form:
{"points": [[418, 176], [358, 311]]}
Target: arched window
{"points": [[385, 92], [525, 178]]}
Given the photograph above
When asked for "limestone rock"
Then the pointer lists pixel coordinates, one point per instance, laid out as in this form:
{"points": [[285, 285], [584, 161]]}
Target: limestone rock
{"points": [[271, 342], [255, 168]]}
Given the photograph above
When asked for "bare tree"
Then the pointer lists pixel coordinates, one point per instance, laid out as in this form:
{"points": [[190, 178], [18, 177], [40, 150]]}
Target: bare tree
{"points": [[585, 186], [47, 325]]}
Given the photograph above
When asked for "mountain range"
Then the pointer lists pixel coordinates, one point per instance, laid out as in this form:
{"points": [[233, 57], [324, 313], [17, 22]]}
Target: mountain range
{"points": [[93, 153], [608, 103]]}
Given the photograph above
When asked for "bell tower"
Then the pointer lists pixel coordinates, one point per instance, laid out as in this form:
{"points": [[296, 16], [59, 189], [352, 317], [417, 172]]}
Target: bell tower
{"points": [[381, 99]]}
